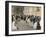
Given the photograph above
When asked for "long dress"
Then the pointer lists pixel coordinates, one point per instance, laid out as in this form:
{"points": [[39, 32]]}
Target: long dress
{"points": [[13, 26], [35, 26]]}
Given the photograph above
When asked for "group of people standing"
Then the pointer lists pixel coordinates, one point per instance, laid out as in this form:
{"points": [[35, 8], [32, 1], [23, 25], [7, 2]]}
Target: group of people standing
{"points": [[34, 19]]}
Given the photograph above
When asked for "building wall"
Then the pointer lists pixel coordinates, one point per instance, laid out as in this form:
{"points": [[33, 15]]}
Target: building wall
{"points": [[32, 11]]}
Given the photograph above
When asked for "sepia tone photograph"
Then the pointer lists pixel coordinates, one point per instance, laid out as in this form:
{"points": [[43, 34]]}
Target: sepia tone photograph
{"points": [[25, 18]]}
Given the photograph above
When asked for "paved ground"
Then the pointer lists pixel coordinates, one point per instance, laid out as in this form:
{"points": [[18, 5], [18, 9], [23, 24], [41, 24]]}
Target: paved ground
{"points": [[22, 25]]}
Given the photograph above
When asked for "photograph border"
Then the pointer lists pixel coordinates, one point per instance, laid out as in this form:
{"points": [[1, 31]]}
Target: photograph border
{"points": [[7, 17]]}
